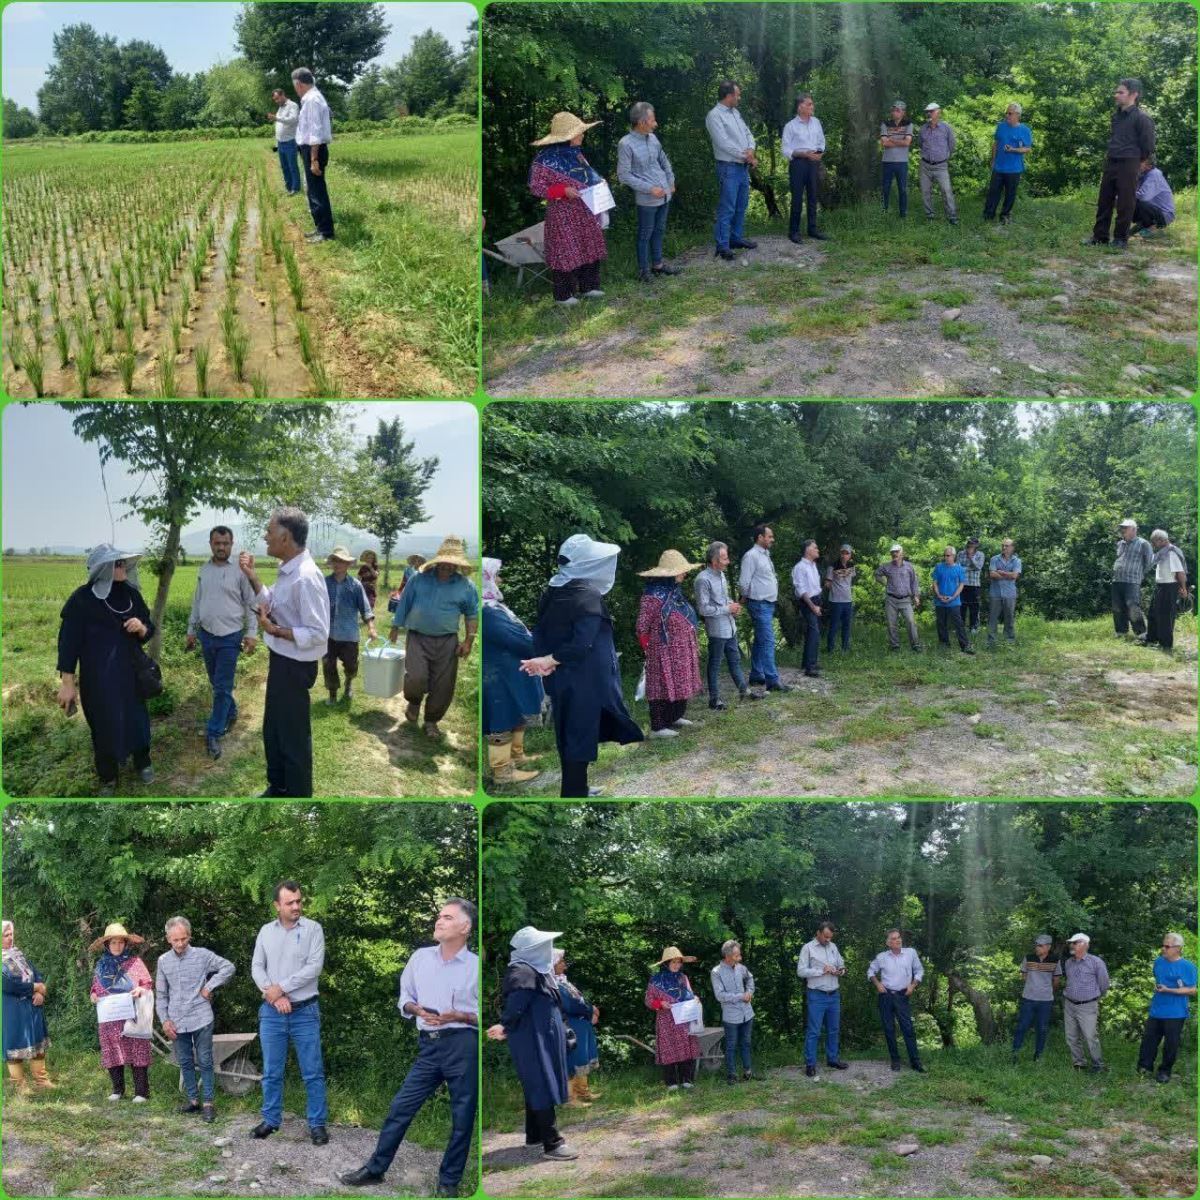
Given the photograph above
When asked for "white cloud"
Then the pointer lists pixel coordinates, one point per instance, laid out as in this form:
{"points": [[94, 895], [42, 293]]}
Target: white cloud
{"points": [[25, 14]]}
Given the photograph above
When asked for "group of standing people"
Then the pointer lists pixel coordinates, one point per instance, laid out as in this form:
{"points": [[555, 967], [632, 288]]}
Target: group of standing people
{"points": [[303, 135]]}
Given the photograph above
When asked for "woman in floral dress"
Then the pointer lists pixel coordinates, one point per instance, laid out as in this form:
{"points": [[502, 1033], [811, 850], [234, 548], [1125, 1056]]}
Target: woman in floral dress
{"points": [[675, 1050], [121, 970], [666, 631]]}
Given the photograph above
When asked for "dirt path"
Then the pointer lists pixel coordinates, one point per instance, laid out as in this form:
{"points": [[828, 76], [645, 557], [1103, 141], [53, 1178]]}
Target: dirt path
{"points": [[751, 346]]}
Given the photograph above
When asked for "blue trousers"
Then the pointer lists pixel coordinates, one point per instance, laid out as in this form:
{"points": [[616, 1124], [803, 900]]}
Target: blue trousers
{"points": [[301, 1029], [733, 196], [220, 661], [452, 1057], [192, 1050], [728, 649], [812, 632], [899, 172], [762, 649], [289, 165], [1033, 1012], [824, 1009], [894, 1006], [841, 615], [652, 227], [737, 1039]]}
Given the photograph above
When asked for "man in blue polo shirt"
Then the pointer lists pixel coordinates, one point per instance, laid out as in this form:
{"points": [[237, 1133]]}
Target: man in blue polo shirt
{"points": [[948, 581], [1003, 572], [1174, 982], [1010, 143]]}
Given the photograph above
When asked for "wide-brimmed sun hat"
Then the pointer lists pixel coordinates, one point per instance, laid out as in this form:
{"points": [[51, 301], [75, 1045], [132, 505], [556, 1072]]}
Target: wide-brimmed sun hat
{"points": [[340, 554], [673, 952], [415, 560], [563, 127], [453, 550], [115, 930], [670, 564], [529, 936]]}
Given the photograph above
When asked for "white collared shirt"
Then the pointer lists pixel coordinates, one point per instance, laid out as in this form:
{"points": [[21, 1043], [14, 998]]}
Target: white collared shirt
{"points": [[299, 601], [286, 117], [445, 985], [802, 135], [757, 580], [806, 579], [315, 126]]}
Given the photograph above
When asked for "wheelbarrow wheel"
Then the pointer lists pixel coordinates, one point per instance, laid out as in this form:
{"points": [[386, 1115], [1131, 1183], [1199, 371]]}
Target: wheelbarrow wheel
{"points": [[237, 1075]]}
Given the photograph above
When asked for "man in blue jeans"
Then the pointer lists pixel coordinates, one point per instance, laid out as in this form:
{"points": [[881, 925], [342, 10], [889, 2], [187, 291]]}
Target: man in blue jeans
{"points": [[440, 988], [720, 613], [285, 117], [759, 588], [289, 955], [895, 973], [821, 966], [1037, 996], [221, 605], [733, 986], [733, 148]]}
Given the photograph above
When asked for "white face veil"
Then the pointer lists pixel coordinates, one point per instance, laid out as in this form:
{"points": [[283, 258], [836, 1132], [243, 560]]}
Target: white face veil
{"points": [[100, 565], [590, 561]]}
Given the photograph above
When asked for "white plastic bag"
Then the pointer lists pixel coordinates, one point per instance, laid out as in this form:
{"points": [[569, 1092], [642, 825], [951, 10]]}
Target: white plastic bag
{"points": [[640, 693], [696, 1028], [142, 1026]]}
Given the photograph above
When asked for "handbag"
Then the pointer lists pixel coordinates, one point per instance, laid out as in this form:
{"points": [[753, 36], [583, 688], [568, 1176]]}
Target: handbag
{"points": [[147, 675], [142, 1025]]}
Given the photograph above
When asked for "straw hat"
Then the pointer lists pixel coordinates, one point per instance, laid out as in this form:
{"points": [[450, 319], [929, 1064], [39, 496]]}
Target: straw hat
{"points": [[563, 127], [415, 560], [115, 930], [453, 550], [670, 564], [674, 952], [340, 554]]}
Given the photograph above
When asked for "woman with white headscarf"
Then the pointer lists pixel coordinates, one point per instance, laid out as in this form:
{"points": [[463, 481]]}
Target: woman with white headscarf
{"points": [[25, 1036], [103, 623], [509, 697], [577, 655], [532, 1024]]}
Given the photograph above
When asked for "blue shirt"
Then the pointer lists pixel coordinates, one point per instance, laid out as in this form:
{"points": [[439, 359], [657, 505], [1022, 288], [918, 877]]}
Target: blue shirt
{"points": [[433, 608], [1154, 190], [445, 985], [347, 602], [1011, 135], [1176, 974], [1004, 587], [946, 578]]}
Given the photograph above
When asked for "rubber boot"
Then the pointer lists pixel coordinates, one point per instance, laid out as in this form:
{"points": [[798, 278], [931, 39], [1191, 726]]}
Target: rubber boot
{"points": [[501, 765], [576, 1099], [585, 1090], [40, 1075], [518, 746], [16, 1072]]}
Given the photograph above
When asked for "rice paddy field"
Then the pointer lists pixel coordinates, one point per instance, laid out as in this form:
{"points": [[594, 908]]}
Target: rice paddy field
{"points": [[180, 270]]}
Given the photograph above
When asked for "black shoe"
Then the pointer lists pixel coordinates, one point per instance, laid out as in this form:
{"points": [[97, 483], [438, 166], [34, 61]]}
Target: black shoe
{"points": [[319, 1136], [263, 1130], [837, 1065], [744, 244], [444, 1189], [1079, 1066], [1162, 1077], [797, 238], [665, 270], [190, 1108], [208, 1114], [920, 1070], [811, 1072], [727, 255], [820, 237], [1120, 243], [348, 693], [644, 276], [748, 695], [779, 687], [717, 705], [915, 649], [757, 682], [813, 674], [363, 1178], [953, 220], [213, 746], [730, 1080], [895, 1064]]}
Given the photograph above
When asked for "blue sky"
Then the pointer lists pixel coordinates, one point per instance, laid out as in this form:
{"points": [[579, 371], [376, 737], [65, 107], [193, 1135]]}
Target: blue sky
{"points": [[53, 495], [193, 36]]}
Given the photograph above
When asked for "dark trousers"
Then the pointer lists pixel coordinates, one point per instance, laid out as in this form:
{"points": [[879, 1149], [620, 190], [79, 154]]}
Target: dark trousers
{"points": [[1034, 1013], [287, 728], [582, 279], [680, 1072], [1161, 626], [737, 1041], [318, 189], [894, 1006], [1146, 215], [107, 766], [539, 1127], [728, 649], [1006, 181], [1118, 189], [802, 177], [1167, 1030], [1127, 607], [220, 661], [897, 171], [574, 780], [948, 618], [451, 1058], [970, 607], [812, 633], [345, 653], [141, 1080], [664, 713], [652, 225], [841, 615]]}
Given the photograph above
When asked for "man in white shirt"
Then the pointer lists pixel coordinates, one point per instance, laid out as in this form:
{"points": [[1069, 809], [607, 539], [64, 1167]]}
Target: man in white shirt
{"points": [[733, 148], [1170, 585], [285, 116], [806, 583], [314, 132], [803, 150], [895, 973], [294, 616], [759, 588]]}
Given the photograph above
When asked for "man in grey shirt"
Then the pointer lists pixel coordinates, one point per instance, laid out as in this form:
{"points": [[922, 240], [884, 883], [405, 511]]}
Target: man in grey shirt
{"points": [[643, 165], [759, 587], [937, 147], [821, 966], [733, 148], [1086, 978], [733, 986], [902, 595], [1037, 997], [184, 982], [222, 604], [1134, 556], [719, 613], [289, 955]]}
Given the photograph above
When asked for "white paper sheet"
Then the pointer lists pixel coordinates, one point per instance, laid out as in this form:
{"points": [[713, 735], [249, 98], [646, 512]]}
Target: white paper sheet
{"points": [[117, 1007], [598, 197]]}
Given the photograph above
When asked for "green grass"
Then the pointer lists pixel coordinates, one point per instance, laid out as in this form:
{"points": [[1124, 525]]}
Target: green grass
{"points": [[363, 749]]}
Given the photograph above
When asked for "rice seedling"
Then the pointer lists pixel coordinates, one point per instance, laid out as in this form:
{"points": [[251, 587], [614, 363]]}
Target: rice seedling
{"points": [[177, 333], [238, 346], [85, 364], [304, 339], [295, 283], [200, 361], [16, 347], [165, 374], [35, 368], [126, 365], [258, 385], [62, 339], [143, 307]]}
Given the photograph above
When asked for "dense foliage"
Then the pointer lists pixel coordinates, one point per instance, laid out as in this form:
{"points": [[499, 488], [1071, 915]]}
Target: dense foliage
{"points": [[971, 884], [1060, 61], [374, 875], [1055, 478]]}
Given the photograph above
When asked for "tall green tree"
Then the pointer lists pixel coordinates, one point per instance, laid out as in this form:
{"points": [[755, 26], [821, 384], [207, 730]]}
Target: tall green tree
{"points": [[19, 122], [77, 94], [234, 94], [429, 75]]}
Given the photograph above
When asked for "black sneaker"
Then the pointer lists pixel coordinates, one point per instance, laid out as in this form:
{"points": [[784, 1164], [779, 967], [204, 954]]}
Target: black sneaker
{"points": [[213, 746], [1120, 243], [191, 1108], [717, 705], [666, 270], [811, 1072], [1094, 241], [813, 674], [968, 649], [364, 1178], [208, 1114], [727, 255], [920, 1070], [895, 1064], [263, 1130], [319, 1135], [797, 238], [837, 1065], [744, 244], [1162, 1077], [779, 687], [730, 1080], [821, 237], [644, 276]]}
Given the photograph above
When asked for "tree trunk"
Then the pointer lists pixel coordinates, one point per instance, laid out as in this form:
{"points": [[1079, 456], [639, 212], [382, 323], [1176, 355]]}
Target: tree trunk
{"points": [[985, 1020], [386, 547], [945, 1019], [768, 194], [166, 573]]}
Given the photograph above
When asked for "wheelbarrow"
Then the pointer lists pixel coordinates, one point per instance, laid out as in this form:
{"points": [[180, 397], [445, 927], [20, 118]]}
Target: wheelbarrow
{"points": [[232, 1068], [524, 252], [711, 1042]]}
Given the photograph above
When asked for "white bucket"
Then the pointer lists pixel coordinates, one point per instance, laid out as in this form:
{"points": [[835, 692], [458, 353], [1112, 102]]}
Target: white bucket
{"points": [[383, 670]]}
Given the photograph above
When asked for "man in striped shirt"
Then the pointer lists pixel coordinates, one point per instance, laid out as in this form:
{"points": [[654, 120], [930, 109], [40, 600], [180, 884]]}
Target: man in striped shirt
{"points": [[314, 132], [1134, 557]]}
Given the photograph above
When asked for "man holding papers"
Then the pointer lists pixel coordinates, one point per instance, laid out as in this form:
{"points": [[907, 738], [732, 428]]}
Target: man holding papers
{"points": [[643, 165]]}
